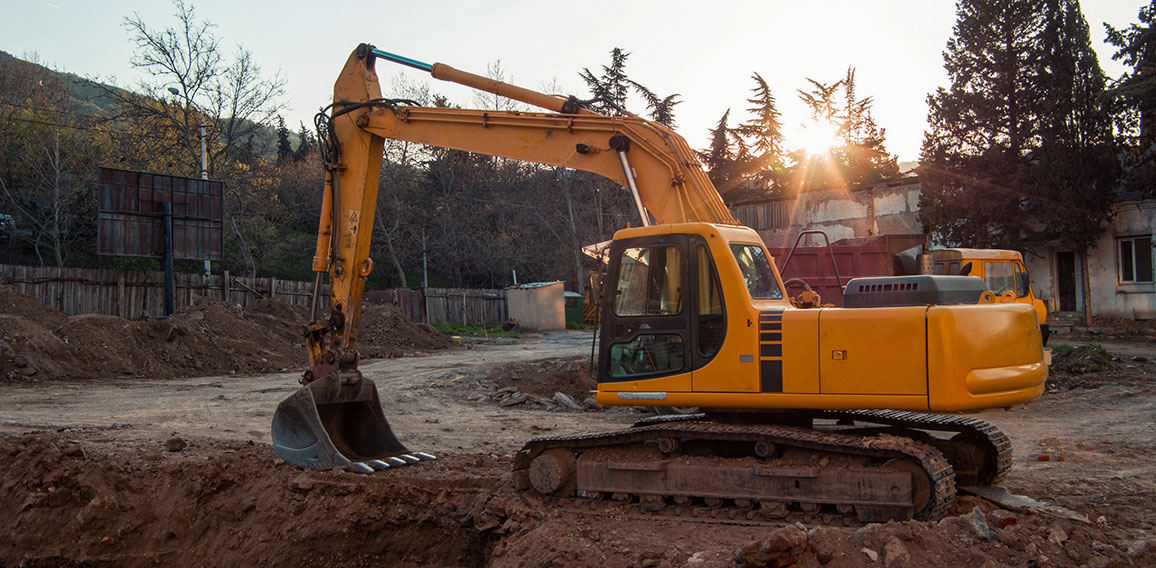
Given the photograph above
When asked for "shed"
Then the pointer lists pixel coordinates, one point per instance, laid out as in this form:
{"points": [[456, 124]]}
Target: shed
{"points": [[538, 306]]}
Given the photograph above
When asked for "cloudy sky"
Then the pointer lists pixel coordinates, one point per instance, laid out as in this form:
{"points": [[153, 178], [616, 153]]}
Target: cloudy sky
{"points": [[705, 51]]}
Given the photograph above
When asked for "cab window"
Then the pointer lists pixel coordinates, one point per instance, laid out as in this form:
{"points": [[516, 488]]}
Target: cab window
{"points": [[757, 273], [651, 354], [999, 276], [710, 322], [1021, 280], [649, 282]]}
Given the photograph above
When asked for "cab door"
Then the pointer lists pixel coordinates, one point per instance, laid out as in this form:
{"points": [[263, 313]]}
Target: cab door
{"points": [[646, 312]]}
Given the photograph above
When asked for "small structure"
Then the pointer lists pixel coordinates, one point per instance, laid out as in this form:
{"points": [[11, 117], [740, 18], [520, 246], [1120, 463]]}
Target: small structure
{"points": [[538, 306]]}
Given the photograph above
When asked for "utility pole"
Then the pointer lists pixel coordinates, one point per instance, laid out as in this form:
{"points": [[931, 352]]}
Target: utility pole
{"points": [[204, 155]]}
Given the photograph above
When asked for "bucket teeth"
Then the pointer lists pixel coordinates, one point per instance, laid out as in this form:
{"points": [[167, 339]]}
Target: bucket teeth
{"points": [[396, 461], [361, 467], [378, 464], [409, 458], [424, 456]]}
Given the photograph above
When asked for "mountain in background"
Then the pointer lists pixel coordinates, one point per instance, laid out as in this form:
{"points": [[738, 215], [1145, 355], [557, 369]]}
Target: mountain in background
{"points": [[86, 96]]}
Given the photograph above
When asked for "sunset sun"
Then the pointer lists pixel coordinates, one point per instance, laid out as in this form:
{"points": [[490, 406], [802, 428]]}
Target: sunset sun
{"points": [[818, 138]]}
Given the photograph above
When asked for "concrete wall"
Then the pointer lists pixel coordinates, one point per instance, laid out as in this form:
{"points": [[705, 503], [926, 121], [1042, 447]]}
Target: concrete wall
{"points": [[883, 209], [1110, 297], [537, 307]]}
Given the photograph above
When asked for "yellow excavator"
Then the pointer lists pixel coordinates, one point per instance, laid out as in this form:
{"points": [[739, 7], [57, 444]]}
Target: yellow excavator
{"points": [[809, 412]]}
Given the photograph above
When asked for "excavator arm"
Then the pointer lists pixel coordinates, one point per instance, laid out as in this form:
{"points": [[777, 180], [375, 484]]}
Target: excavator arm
{"points": [[654, 163], [335, 419]]}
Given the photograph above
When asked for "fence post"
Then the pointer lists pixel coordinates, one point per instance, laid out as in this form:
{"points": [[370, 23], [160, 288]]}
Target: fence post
{"points": [[225, 287], [272, 288], [120, 307]]}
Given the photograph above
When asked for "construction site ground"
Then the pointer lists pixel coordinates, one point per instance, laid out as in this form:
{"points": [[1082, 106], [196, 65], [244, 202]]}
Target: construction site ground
{"points": [[169, 465]]}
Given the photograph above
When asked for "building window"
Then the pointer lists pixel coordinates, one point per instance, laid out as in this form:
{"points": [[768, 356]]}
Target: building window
{"points": [[1135, 259]]}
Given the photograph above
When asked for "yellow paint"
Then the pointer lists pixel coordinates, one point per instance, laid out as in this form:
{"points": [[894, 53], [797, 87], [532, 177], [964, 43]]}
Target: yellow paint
{"points": [[873, 351]]}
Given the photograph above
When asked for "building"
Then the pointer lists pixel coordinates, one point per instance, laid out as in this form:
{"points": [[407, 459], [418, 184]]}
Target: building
{"points": [[1121, 277]]}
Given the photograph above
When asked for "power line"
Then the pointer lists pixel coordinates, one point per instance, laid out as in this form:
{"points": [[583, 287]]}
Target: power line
{"points": [[88, 129]]}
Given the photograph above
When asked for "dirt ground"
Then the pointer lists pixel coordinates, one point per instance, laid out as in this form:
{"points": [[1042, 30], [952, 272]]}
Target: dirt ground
{"points": [[137, 469]]}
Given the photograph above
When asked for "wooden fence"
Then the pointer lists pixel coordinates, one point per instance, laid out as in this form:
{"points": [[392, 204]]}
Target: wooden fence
{"points": [[459, 305], [141, 295]]}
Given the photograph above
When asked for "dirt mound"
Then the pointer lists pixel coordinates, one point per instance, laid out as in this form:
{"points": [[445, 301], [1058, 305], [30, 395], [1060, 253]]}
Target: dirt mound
{"points": [[27, 307], [1091, 365], [385, 331], [230, 504], [209, 338]]}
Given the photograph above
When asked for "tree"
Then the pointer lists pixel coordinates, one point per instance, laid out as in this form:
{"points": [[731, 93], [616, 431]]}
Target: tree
{"points": [[49, 162], [857, 155], [661, 108], [1134, 98], [305, 143], [612, 88], [727, 159], [1076, 165], [1020, 149], [284, 146], [763, 130], [610, 91], [229, 95], [975, 165]]}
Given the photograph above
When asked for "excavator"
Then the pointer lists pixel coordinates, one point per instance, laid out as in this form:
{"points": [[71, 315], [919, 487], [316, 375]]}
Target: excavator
{"points": [[835, 415]]}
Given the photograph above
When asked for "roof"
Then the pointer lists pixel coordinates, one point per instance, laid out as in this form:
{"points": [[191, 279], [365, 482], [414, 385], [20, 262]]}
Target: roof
{"points": [[531, 285], [975, 254]]}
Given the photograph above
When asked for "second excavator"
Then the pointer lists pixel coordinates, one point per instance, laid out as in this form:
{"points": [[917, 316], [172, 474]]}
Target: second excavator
{"points": [[837, 414]]}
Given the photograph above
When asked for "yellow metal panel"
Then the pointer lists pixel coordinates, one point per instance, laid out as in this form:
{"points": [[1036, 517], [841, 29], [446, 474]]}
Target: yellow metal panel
{"points": [[983, 356], [672, 383], [873, 351], [756, 401], [801, 351]]}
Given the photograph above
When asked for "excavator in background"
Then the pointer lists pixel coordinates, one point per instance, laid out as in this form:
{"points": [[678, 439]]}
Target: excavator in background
{"points": [[820, 414]]}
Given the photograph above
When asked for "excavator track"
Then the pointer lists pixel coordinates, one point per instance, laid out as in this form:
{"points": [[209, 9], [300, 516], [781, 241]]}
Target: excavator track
{"points": [[980, 453], [739, 473]]}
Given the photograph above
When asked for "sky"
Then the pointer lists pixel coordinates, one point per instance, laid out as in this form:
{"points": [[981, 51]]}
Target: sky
{"points": [[704, 51]]}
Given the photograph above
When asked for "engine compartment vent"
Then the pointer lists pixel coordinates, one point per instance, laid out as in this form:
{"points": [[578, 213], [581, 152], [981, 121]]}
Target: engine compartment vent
{"points": [[921, 290]]}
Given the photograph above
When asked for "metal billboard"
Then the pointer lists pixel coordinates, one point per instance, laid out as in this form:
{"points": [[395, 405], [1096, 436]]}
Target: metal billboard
{"points": [[130, 219]]}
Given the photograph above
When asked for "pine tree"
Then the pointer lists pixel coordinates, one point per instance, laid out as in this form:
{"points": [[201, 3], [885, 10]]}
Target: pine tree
{"points": [[304, 143], [612, 88], [764, 131], [284, 147], [661, 108], [861, 158], [976, 163], [728, 160], [1076, 165]]}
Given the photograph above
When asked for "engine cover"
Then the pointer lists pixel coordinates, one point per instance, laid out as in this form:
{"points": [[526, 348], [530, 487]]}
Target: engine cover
{"points": [[922, 290]]}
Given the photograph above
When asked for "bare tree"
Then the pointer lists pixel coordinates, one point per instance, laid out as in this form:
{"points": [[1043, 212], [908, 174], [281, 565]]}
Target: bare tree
{"points": [[47, 166], [227, 95]]}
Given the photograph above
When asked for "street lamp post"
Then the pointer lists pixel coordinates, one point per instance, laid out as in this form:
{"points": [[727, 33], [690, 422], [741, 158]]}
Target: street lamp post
{"points": [[204, 156]]}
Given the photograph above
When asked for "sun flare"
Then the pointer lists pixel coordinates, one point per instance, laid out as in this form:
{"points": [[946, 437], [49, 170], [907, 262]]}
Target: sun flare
{"points": [[818, 138]]}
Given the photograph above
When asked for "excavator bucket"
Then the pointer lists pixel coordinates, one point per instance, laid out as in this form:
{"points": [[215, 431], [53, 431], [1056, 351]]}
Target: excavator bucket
{"points": [[330, 425]]}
